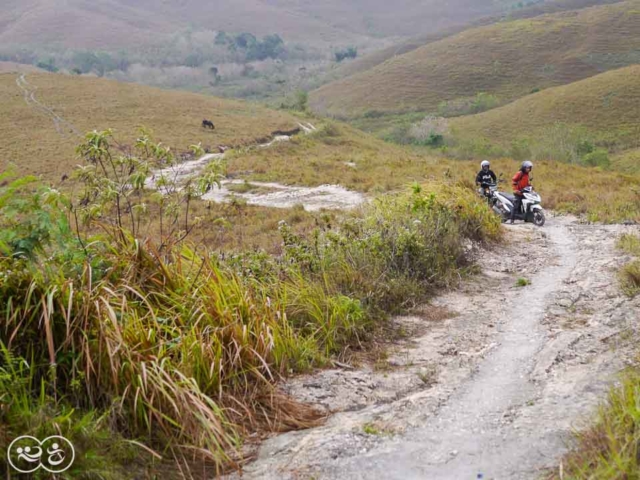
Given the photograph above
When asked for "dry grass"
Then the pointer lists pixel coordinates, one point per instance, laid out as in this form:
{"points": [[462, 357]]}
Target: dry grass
{"points": [[378, 57], [31, 142], [627, 161], [79, 24], [12, 67], [336, 154], [606, 104], [111, 24], [381, 167], [508, 59], [608, 450]]}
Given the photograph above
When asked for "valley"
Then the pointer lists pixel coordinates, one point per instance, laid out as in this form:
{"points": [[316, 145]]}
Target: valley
{"points": [[243, 239]]}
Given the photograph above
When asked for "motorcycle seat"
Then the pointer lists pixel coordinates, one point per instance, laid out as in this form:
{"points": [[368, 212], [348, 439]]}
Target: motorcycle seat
{"points": [[509, 196]]}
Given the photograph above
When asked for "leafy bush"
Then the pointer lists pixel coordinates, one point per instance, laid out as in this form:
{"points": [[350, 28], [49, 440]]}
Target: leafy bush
{"points": [[96, 62], [629, 275], [597, 158], [179, 350], [630, 278], [49, 66], [271, 46], [429, 132], [560, 142], [298, 101], [481, 102], [484, 102], [345, 53]]}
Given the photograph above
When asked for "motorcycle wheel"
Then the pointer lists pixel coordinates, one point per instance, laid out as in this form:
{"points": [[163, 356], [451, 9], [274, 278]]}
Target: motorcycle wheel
{"points": [[538, 218]]}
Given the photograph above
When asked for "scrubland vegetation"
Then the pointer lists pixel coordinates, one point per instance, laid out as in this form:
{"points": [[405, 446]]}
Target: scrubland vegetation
{"points": [[147, 349], [609, 448], [151, 328], [508, 59]]}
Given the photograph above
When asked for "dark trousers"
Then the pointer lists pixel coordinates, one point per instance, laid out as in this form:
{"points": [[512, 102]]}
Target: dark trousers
{"points": [[517, 206]]}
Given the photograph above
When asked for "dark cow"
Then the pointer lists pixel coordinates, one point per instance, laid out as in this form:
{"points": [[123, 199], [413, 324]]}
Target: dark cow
{"points": [[208, 124]]}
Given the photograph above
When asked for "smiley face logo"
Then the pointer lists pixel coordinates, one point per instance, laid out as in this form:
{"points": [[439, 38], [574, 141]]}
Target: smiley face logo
{"points": [[54, 454]]}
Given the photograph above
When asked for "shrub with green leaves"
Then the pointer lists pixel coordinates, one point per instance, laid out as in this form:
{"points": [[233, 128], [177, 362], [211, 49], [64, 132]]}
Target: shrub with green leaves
{"points": [[155, 346], [597, 158]]}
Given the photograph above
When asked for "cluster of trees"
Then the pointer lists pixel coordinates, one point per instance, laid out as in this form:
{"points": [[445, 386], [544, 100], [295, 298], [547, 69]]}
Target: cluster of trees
{"points": [[468, 106], [271, 46], [345, 53], [97, 62]]}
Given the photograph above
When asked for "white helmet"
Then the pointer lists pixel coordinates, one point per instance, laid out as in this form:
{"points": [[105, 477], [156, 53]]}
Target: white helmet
{"points": [[527, 164], [485, 163]]}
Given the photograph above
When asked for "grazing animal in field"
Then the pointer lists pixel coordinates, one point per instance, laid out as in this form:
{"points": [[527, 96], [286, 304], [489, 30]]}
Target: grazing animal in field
{"points": [[65, 177], [208, 124]]}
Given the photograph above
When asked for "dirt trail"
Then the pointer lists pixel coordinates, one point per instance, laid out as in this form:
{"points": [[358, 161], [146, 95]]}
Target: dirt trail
{"points": [[62, 126], [267, 194], [494, 387]]}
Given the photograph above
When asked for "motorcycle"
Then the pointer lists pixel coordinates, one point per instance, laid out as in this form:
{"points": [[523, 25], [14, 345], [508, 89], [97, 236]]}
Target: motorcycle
{"points": [[502, 203]]}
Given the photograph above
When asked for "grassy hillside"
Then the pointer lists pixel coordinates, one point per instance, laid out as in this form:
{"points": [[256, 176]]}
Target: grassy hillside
{"points": [[11, 67], [106, 24], [508, 59], [627, 161], [31, 141], [376, 167], [380, 56], [607, 105], [189, 342], [381, 18], [79, 23]]}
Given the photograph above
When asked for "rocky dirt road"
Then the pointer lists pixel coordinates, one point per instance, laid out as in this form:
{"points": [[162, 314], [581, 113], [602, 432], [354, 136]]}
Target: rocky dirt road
{"points": [[491, 379]]}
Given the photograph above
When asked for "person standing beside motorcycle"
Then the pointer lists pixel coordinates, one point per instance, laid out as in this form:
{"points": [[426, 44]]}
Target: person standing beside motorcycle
{"points": [[485, 176], [521, 181]]}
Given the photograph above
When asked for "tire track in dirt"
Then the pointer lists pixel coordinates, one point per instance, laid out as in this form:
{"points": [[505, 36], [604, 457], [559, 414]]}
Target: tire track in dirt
{"points": [[496, 388], [62, 126]]}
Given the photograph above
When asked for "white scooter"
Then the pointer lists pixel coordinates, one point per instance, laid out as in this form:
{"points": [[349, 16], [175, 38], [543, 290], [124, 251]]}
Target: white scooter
{"points": [[531, 211]]}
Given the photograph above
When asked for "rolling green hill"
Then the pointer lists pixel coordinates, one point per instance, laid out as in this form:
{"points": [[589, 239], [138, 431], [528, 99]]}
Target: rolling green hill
{"points": [[382, 55], [607, 105], [37, 143], [508, 59]]}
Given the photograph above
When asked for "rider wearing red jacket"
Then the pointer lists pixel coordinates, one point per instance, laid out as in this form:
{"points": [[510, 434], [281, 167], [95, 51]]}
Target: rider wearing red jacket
{"points": [[520, 182]]}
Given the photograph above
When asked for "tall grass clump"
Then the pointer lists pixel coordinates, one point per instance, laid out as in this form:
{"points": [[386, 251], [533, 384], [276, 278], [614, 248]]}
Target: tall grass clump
{"points": [[629, 274], [629, 243], [609, 449], [163, 352]]}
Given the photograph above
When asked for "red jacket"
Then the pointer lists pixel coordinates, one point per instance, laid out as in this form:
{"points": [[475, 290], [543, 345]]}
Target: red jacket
{"points": [[520, 181]]}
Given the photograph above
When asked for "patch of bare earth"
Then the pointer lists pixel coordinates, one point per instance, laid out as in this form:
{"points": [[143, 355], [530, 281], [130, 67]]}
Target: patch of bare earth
{"points": [[490, 378]]}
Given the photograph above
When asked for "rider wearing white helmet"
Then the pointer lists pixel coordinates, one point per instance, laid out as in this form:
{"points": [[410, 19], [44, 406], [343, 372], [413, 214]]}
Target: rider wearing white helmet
{"points": [[485, 177], [521, 180]]}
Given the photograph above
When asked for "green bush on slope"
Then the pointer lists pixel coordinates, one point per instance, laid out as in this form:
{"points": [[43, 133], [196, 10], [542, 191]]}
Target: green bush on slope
{"points": [[178, 350]]}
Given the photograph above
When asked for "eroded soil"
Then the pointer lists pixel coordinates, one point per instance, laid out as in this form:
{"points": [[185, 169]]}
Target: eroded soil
{"points": [[491, 378]]}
